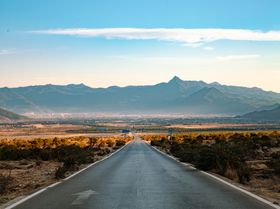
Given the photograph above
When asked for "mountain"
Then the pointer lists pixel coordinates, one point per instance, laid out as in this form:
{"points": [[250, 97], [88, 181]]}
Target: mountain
{"points": [[176, 96], [213, 101], [7, 116], [269, 107], [273, 115]]}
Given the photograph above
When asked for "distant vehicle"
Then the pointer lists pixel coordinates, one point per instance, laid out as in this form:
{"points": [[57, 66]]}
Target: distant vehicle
{"points": [[125, 131]]}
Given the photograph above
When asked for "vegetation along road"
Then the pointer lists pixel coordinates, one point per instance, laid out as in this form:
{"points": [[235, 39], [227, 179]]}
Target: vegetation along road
{"points": [[140, 177]]}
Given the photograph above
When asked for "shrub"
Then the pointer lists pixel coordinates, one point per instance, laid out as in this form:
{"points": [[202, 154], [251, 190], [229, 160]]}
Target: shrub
{"points": [[60, 172], [120, 143], [5, 181], [275, 163], [110, 143], [244, 173], [207, 159], [223, 153]]}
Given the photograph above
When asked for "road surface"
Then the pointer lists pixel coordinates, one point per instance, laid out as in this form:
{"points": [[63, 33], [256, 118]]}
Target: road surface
{"points": [[138, 177]]}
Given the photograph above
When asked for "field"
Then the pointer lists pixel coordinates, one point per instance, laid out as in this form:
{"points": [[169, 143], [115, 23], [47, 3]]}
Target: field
{"points": [[249, 158], [108, 126]]}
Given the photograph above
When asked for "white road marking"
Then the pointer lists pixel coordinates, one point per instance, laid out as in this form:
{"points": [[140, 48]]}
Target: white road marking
{"points": [[54, 184], [83, 196], [221, 180], [32, 195]]}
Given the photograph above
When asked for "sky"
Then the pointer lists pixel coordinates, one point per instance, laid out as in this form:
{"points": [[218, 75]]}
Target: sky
{"points": [[137, 42]]}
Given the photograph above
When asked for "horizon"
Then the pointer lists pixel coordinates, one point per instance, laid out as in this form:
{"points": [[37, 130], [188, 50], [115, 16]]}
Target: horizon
{"points": [[100, 45], [135, 85]]}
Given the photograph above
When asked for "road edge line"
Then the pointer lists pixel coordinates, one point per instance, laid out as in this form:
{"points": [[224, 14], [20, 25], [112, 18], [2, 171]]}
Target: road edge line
{"points": [[96, 162], [63, 180], [221, 180]]}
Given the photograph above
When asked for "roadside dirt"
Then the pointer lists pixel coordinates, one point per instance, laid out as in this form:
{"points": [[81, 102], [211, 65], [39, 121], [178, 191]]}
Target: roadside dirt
{"points": [[26, 176]]}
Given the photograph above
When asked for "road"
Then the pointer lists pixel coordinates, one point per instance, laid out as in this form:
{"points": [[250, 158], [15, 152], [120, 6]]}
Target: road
{"points": [[139, 177]]}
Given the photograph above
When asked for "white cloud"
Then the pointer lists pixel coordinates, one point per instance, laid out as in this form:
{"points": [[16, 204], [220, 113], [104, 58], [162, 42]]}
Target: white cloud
{"points": [[6, 52], [183, 35], [238, 57], [208, 48]]}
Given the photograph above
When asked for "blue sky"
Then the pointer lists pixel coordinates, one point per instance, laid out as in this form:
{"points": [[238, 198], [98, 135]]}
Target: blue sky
{"points": [[139, 42]]}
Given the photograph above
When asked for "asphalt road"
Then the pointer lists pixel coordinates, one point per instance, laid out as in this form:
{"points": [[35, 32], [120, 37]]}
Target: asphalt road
{"points": [[138, 177]]}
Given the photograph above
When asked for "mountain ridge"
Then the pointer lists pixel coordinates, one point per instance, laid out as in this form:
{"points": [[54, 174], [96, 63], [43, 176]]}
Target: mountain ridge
{"points": [[269, 114], [174, 96], [8, 116]]}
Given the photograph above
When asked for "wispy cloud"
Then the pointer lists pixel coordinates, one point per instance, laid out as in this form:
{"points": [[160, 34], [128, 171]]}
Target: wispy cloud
{"points": [[183, 35], [6, 52], [238, 57], [208, 48], [188, 60]]}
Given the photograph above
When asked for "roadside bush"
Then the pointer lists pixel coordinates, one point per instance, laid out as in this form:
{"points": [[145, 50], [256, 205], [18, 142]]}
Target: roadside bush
{"points": [[244, 173], [5, 181], [120, 143], [176, 149], [155, 143], [223, 153], [80, 149], [60, 172], [9, 152], [110, 143], [207, 159], [275, 163]]}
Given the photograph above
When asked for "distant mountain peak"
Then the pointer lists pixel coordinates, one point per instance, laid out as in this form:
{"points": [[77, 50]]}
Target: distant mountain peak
{"points": [[176, 79], [77, 85], [215, 84]]}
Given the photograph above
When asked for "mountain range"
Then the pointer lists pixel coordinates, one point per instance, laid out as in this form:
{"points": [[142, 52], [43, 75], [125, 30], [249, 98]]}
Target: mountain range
{"points": [[176, 96], [7, 116], [271, 114]]}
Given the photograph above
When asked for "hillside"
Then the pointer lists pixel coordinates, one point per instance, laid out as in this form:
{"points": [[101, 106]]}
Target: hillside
{"points": [[176, 96], [9, 116], [273, 115]]}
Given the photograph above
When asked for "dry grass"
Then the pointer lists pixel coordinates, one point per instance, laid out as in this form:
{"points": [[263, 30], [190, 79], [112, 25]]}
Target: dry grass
{"points": [[46, 131]]}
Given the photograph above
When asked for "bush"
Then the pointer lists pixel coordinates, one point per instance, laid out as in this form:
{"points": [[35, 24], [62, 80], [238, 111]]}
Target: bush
{"points": [[120, 143], [60, 172], [110, 143], [244, 173], [275, 163], [207, 159], [223, 153], [5, 181]]}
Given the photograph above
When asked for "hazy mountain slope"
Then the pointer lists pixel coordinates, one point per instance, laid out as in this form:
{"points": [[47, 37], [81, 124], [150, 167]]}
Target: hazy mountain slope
{"points": [[6, 115], [175, 96], [253, 96], [211, 100], [268, 107], [273, 114]]}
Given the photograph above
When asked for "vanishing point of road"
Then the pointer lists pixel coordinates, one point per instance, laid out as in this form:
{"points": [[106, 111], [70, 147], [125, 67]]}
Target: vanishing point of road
{"points": [[139, 177]]}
